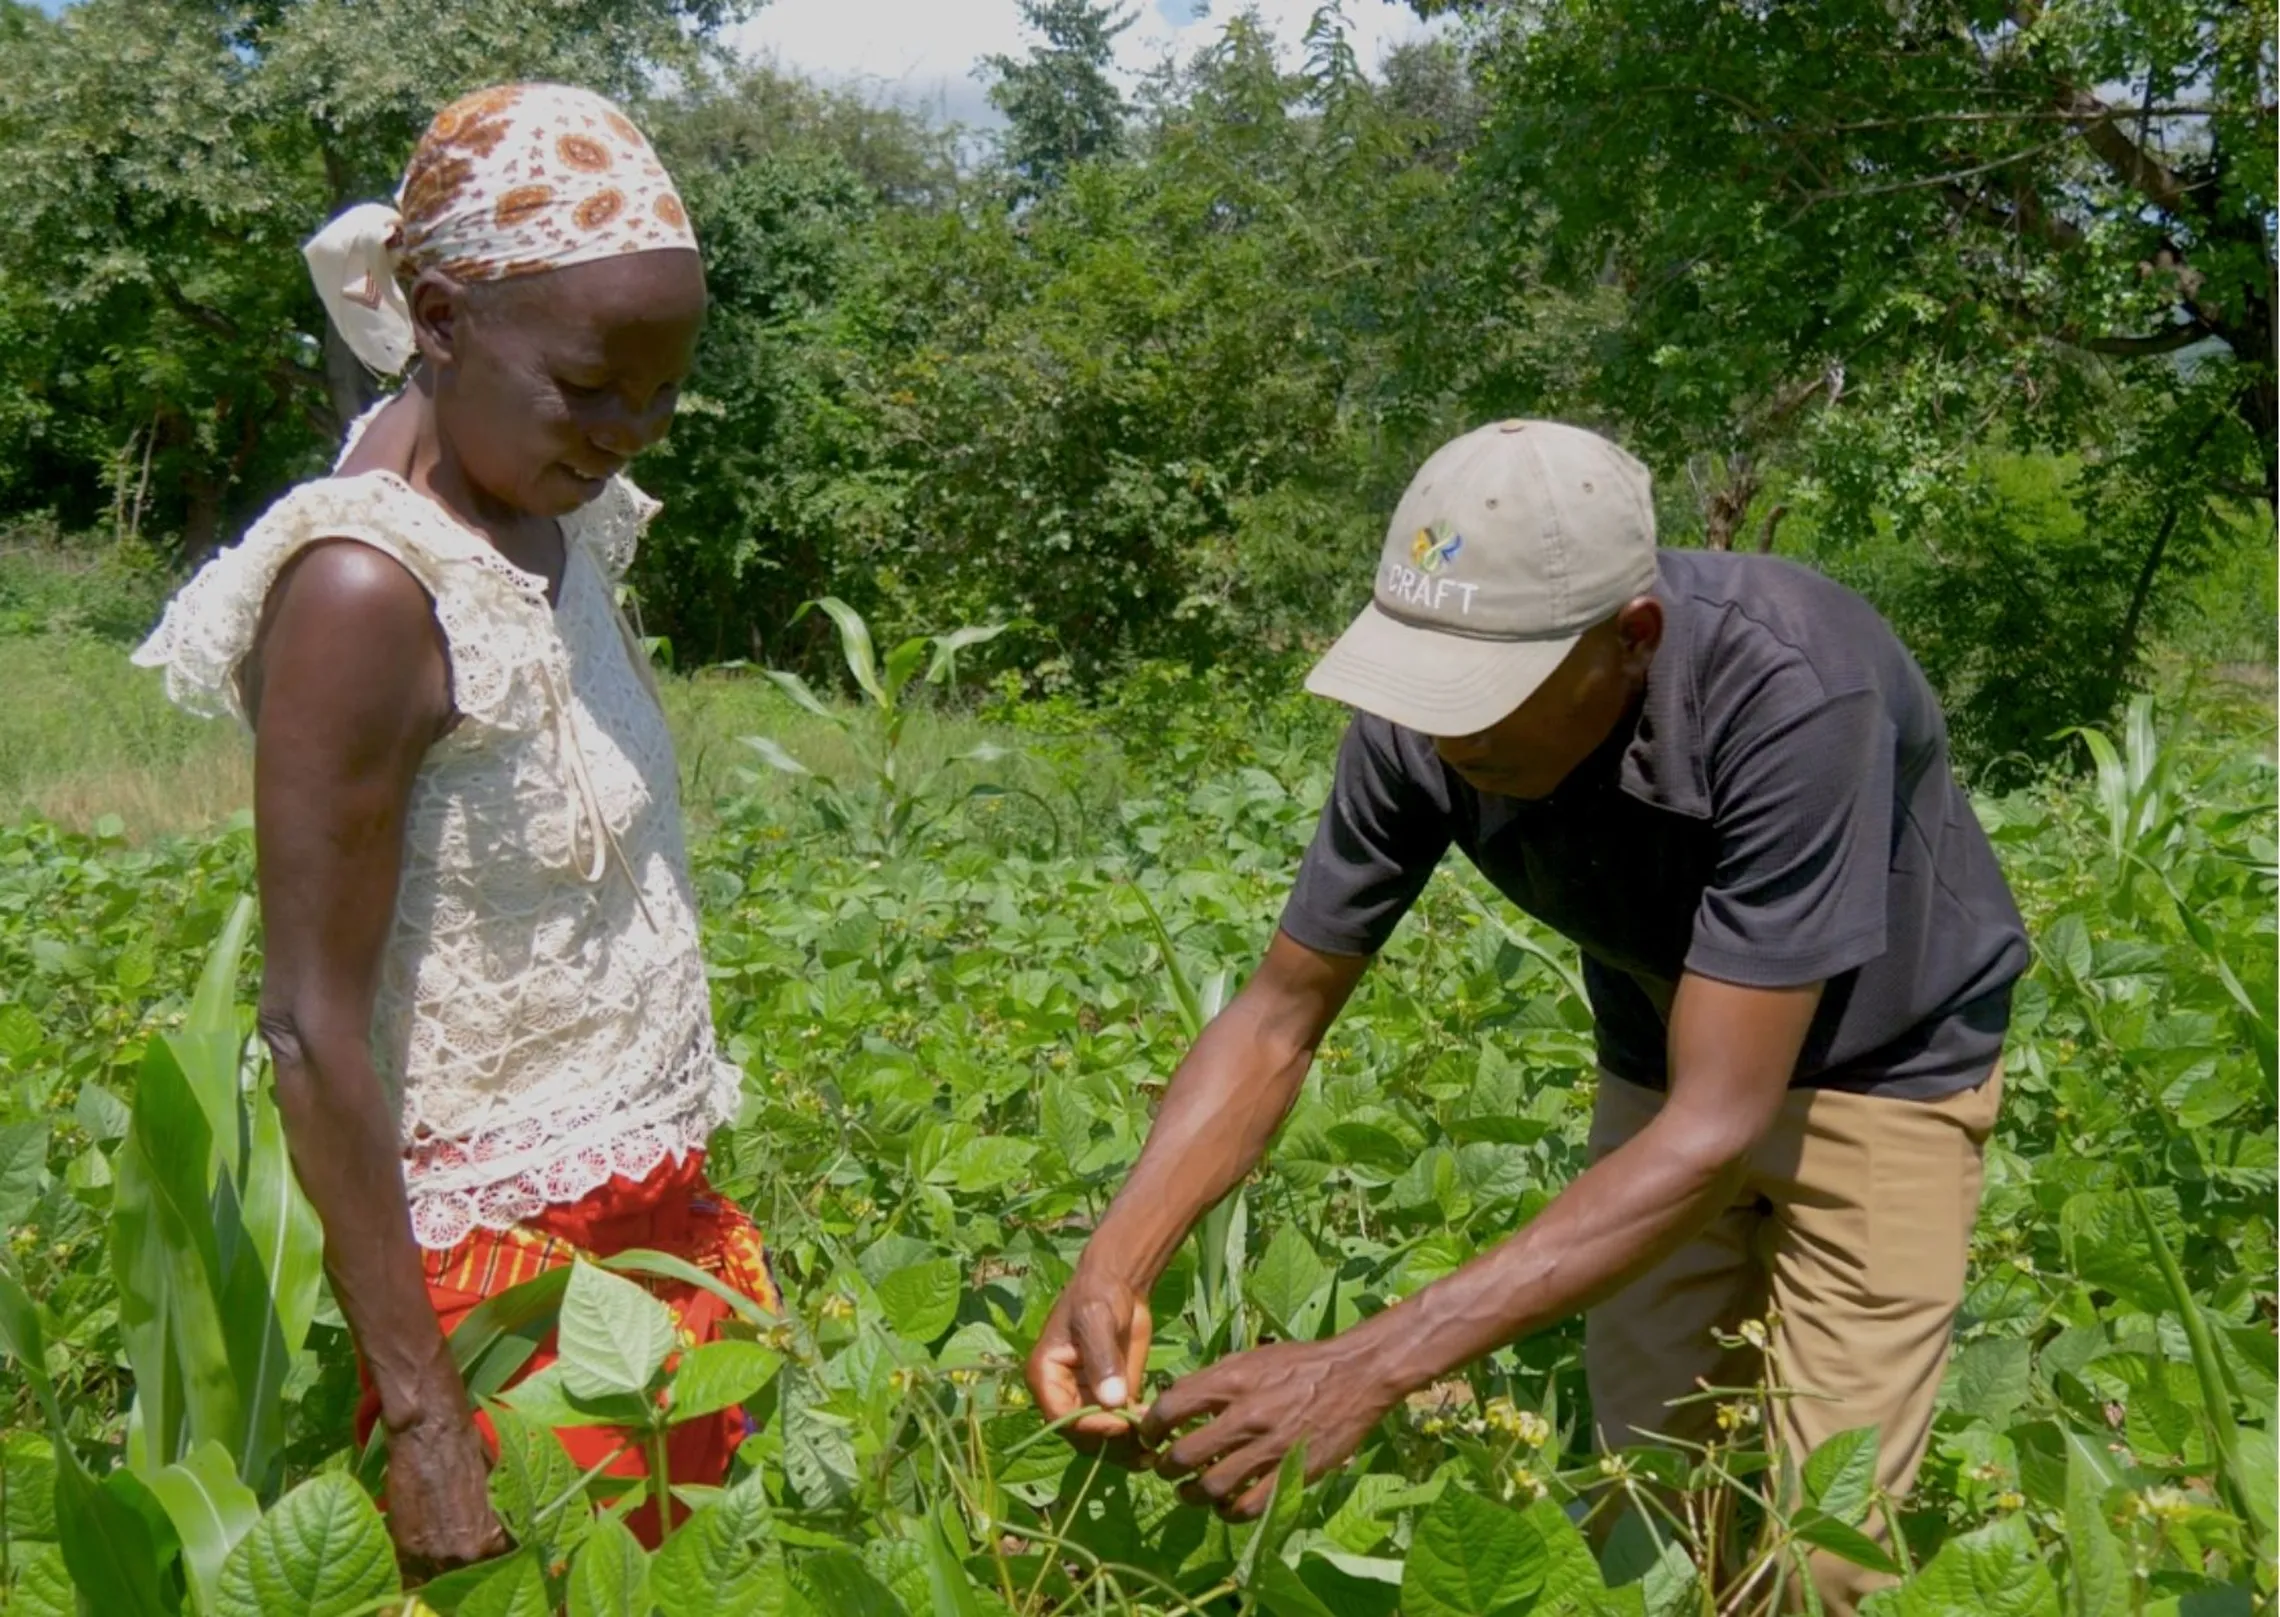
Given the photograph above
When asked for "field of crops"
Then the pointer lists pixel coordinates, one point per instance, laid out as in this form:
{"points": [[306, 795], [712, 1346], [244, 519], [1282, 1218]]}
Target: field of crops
{"points": [[955, 1011]]}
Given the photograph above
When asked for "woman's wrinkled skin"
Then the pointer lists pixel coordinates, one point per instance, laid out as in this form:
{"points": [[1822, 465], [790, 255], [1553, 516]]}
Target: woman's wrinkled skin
{"points": [[529, 395]]}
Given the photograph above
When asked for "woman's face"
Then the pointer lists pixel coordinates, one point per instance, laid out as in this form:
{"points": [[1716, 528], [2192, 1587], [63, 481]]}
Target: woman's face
{"points": [[546, 385]]}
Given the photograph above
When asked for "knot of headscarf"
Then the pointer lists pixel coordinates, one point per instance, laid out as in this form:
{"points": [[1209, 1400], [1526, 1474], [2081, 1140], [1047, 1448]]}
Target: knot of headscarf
{"points": [[514, 180]]}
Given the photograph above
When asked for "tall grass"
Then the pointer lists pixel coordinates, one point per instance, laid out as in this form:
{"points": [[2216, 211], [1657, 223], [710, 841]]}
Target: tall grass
{"points": [[85, 735]]}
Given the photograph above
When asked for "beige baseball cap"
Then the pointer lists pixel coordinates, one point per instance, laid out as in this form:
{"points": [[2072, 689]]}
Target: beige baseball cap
{"points": [[1510, 542]]}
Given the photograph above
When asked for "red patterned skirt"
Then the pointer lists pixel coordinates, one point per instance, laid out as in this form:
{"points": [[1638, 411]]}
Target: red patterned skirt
{"points": [[673, 1211]]}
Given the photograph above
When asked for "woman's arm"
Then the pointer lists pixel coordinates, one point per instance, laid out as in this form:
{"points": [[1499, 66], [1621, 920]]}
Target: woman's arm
{"points": [[350, 685]]}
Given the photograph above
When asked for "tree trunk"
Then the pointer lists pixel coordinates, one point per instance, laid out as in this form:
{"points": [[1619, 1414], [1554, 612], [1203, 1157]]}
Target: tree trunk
{"points": [[2189, 486], [1728, 505]]}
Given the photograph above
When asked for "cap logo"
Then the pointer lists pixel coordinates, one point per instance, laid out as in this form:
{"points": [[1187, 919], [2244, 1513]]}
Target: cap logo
{"points": [[1435, 547]]}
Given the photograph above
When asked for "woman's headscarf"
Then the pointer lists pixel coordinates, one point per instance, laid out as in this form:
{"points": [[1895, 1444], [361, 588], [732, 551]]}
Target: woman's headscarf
{"points": [[514, 180]]}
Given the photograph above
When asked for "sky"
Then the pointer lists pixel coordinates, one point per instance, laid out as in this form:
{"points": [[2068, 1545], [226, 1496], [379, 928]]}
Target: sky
{"points": [[923, 52]]}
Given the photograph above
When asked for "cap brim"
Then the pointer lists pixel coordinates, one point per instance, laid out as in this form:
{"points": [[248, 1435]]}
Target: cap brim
{"points": [[1437, 684]]}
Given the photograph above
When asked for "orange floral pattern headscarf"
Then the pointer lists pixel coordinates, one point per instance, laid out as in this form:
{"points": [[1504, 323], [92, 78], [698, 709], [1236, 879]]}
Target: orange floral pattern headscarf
{"points": [[514, 180]]}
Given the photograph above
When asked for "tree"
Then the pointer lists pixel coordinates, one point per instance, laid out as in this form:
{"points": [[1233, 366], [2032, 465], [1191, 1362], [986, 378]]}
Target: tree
{"points": [[1060, 104], [1847, 247], [161, 162]]}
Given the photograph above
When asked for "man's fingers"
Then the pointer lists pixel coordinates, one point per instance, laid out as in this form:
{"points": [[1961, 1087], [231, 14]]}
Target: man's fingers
{"points": [[1100, 1348], [1202, 1446], [1229, 1483], [1053, 1381], [1180, 1403], [1252, 1505]]}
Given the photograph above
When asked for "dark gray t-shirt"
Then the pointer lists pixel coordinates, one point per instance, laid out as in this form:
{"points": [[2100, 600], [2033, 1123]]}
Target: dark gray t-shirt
{"points": [[1780, 812]]}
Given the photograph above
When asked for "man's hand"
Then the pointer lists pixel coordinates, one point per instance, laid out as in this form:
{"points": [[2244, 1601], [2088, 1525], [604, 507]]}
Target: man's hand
{"points": [[1263, 1404], [439, 1501], [1094, 1350]]}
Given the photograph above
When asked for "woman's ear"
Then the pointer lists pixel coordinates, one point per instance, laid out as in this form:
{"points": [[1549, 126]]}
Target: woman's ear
{"points": [[439, 310]]}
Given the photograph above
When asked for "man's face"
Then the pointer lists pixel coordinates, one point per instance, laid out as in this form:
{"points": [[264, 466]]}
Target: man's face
{"points": [[548, 385], [1529, 751]]}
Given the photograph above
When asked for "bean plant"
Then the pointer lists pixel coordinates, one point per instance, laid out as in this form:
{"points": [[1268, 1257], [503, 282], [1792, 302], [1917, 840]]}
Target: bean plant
{"points": [[952, 1046]]}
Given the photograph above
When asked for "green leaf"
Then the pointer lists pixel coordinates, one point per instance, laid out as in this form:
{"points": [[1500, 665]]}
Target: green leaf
{"points": [[282, 1226], [948, 1588], [614, 1336], [819, 1452], [1184, 995], [1995, 1572], [2105, 1246], [1470, 1558], [610, 1576], [921, 1299], [1285, 1278], [719, 1375], [1845, 1542], [535, 1487], [22, 1340], [1840, 1475], [664, 1266], [903, 662], [43, 1584], [211, 1510], [1280, 1518], [802, 693], [841, 1585], [1991, 1379], [2252, 1506], [166, 1262], [23, 1169], [210, 1045], [1281, 1592], [717, 1561], [514, 1587], [855, 646], [2099, 1585], [27, 1512], [773, 754], [108, 1545], [213, 1007], [1568, 1569], [947, 646], [322, 1552]]}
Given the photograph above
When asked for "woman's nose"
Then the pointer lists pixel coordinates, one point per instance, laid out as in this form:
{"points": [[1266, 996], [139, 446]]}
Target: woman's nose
{"points": [[625, 431]]}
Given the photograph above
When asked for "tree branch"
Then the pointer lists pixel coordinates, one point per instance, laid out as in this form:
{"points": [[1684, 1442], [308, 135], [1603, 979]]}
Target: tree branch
{"points": [[198, 314], [2164, 342], [2124, 158], [1949, 179], [2026, 215]]}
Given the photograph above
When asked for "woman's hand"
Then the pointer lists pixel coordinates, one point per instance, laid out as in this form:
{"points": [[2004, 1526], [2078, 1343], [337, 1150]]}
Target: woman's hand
{"points": [[439, 1497]]}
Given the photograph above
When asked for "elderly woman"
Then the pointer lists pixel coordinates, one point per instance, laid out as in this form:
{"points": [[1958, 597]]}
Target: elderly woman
{"points": [[494, 1048]]}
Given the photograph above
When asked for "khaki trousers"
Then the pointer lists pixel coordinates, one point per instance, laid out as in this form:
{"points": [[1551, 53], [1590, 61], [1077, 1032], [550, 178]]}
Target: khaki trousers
{"points": [[1852, 1227]]}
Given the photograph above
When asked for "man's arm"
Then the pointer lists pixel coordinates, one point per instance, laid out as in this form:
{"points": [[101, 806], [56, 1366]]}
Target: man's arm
{"points": [[1222, 1109], [350, 686], [1733, 1051]]}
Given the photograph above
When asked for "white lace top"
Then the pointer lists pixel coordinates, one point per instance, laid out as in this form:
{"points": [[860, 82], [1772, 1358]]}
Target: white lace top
{"points": [[543, 1019]]}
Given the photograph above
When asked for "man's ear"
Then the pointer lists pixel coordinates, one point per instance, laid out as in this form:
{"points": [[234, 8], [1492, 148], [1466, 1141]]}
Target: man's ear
{"points": [[1639, 630], [439, 313]]}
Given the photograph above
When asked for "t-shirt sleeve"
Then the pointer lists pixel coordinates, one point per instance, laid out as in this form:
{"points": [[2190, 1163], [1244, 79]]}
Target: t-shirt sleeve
{"points": [[1381, 834], [1803, 810]]}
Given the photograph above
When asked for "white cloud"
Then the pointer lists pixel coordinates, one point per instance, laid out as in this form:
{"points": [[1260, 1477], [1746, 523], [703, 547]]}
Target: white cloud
{"points": [[925, 52]]}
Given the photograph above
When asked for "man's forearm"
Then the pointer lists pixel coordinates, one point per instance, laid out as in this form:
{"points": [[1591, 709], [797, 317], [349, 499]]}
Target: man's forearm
{"points": [[1615, 1220], [1218, 1116]]}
